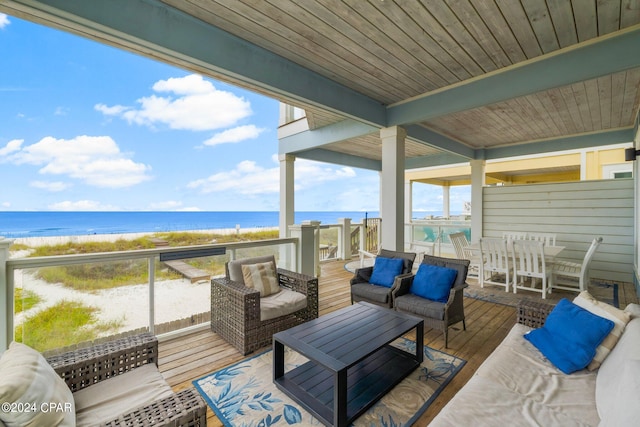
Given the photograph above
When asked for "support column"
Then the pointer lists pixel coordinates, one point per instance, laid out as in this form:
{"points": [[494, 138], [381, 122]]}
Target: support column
{"points": [[6, 297], [344, 243], [392, 188], [408, 201], [446, 200], [287, 185], [307, 253], [478, 180]]}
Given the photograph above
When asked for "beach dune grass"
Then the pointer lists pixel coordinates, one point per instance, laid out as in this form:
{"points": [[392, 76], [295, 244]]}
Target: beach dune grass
{"points": [[106, 275], [24, 300], [63, 324]]}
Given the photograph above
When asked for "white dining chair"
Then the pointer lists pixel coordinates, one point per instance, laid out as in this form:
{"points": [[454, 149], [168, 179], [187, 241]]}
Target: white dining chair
{"points": [[510, 236], [529, 266], [461, 248], [574, 276], [495, 269], [549, 239]]}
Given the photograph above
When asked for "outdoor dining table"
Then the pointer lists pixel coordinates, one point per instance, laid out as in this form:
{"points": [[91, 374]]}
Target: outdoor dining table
{"points": [[550, 252]]}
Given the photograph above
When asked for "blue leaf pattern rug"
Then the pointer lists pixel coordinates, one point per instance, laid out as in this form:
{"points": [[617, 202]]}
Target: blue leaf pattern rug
{"points": [[243, 394]]}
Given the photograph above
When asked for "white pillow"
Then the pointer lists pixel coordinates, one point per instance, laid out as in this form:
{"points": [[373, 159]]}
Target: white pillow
{"points": [[261, 277], [32, 388], [617, 316]]}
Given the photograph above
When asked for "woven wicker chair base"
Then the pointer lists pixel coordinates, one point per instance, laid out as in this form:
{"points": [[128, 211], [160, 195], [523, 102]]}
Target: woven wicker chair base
{"points": [[86, 366], [235, 311]]}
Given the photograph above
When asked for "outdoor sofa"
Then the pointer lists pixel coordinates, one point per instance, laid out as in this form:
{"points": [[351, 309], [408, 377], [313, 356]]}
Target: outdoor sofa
{"points": [[116, 383], [518, 386]]}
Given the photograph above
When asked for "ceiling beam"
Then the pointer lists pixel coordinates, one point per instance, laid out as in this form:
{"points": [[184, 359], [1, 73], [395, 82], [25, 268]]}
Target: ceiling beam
{"points": [[335, 132], [177, 38], [437, 140], [594, 58], [434, 160], [327, 156], [574, 142]]}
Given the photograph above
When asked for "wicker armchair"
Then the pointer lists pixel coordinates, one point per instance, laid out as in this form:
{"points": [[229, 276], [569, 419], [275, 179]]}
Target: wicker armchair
{"points": [[362, 290], [88, 366], [436, 314], [236, 308]]}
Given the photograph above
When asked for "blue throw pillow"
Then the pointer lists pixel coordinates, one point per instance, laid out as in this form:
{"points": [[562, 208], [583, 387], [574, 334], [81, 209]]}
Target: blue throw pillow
{"points": [[385, 271], [433, 282], [570, 336]]}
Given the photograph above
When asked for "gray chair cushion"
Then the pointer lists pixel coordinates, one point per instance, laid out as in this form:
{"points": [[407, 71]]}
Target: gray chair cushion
{"points": [[371, 292], [414, 304], [235, 267]]}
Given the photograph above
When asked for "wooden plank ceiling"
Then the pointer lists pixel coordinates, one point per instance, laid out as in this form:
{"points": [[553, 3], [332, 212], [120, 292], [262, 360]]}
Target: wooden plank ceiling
{"points": [[393, 50]]}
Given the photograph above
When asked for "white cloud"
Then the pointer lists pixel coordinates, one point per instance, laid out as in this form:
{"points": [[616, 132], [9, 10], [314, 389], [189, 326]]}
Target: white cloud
{"points": [[250, 179], [81, 205], [4, 20], [168, 205], [192, 104], [50, 186], [234, 135], [61, 111], [11, 147], [6, 204], [95, 160]]}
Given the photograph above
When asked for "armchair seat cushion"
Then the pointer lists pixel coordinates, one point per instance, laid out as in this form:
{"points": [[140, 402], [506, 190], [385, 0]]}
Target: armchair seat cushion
{"points": [[369, 292], [414, 304], [281, 303], [102, 401]]}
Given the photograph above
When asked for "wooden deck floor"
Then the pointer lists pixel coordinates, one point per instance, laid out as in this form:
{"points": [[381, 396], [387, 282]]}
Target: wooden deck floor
{"points": [[190, 357]]}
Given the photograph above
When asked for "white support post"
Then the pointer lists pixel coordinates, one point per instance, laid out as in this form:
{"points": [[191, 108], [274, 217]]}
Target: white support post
{"points": [[478, 180], [6, 297], [408, 201], [287, 205], [446, 200], [287, 184], [307, 252], [392, 188], [344, 238]]}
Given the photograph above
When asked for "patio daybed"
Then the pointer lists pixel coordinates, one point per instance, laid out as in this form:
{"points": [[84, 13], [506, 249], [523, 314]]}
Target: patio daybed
{"points": [[116, 383], [517, 385]]}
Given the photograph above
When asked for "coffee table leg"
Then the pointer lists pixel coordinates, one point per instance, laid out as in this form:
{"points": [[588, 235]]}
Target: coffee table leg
{"points": [[420, 342], [278, 360], [340, 398]]}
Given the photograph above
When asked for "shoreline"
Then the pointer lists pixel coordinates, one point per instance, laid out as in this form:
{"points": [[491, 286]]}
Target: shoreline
{"points": [[60, 240]]}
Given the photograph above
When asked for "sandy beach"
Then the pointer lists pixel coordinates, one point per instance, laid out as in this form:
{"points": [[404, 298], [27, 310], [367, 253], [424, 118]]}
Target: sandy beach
{"points": [[127, 305]]}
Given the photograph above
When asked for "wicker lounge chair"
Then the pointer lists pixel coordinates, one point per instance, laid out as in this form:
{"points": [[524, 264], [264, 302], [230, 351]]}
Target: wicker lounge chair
{"points": [[94, 367], [436, 314], [363, 290], [236, 313]]}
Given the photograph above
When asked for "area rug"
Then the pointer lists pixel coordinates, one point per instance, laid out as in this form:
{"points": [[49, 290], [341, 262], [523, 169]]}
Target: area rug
{"points": [[244, 395], [606, 292]]}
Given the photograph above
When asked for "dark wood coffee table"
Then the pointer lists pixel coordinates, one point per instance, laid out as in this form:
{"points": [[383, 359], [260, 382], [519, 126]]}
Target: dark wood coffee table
{"points": [[351, 364]]}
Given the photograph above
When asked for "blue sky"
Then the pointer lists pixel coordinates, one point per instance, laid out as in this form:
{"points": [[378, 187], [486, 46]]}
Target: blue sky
{"points": [[89, 127]]}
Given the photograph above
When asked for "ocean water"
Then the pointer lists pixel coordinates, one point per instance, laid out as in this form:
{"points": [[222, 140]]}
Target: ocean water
{"points": [[40, 224]]}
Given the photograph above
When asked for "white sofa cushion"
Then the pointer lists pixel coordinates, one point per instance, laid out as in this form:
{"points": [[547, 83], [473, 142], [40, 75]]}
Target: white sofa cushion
{"points": [[27, 379], [613, 377], [281, 303], [123, 393], [602, 309], [517, 385]]}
